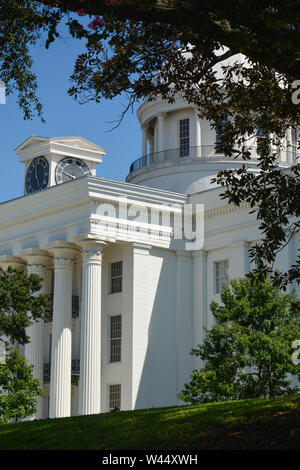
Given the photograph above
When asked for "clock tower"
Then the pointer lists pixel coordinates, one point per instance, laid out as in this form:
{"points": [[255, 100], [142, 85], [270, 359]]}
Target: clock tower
{"points": [[57, 160]]}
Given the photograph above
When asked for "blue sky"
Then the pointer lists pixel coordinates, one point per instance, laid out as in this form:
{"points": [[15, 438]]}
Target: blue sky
{"points": [[64, 117]]}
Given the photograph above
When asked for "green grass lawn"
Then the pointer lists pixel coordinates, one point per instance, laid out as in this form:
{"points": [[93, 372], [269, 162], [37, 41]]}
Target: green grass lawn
{"points": [[270, 422]]}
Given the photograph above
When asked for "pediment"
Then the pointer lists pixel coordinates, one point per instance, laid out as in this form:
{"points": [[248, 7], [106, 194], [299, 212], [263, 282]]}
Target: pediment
{"points": [[73, 145]]}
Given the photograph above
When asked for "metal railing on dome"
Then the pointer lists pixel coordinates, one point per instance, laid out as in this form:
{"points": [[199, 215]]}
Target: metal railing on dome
{"points": [[203, 151]]}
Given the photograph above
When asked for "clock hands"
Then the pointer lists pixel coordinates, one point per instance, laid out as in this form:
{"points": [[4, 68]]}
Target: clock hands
{"points": [[36, 175], [68, 174], [69, 169]]}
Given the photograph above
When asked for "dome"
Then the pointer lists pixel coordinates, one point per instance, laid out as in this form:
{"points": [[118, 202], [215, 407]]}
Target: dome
{"points": [[178, 149]]}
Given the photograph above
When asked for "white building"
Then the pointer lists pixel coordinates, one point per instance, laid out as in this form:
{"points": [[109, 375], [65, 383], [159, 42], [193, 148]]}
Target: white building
{"points": [[129, 297]]}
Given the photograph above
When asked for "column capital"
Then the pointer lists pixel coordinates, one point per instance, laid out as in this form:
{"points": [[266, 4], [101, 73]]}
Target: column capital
{"points": [[37, 260], [161, 115], [14, 261], [64, 253], [91, 251], [91, 248]]}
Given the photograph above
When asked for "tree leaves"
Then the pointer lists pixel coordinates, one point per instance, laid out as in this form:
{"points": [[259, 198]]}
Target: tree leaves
{"points": [[19, 306], [248, 354], [19, 389]]}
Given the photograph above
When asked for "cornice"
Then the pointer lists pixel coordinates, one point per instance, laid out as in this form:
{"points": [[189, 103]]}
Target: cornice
{"points": [[79, 193], [44, 214]]}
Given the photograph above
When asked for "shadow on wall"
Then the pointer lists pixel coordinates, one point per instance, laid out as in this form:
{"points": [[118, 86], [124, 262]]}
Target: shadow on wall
{"points": [[163, 367]]}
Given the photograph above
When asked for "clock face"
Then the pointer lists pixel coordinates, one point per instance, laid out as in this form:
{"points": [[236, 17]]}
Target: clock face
{"points": [[69, 169], [37, 176]]}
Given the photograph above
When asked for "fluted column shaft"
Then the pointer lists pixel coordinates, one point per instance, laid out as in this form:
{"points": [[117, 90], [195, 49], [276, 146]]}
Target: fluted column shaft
{"points": [[34, 350], [90, 342], [61, 357], [197, 133]]}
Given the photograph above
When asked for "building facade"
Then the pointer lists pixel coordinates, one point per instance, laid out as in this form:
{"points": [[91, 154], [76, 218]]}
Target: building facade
{"points": [[131, 291]]}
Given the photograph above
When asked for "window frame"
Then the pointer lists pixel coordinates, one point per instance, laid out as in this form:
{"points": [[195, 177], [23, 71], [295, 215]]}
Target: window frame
{"points": [[116, 340], [294, 142], [110, 408], [184, 141], [117, 277], [218, 278]]}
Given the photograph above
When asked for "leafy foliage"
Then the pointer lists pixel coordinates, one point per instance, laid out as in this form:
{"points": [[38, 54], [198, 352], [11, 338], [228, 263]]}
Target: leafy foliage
{"points": [[19, 304], [248, 354], [18, 388], [166, 48]]}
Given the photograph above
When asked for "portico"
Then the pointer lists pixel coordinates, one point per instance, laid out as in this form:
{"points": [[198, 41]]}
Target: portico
{"points": [[70, 258]]}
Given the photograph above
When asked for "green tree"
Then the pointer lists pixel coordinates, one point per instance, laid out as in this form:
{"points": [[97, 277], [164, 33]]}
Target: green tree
{"points": [[20, 306], [150, 48], [18, 388], [248, 353]]}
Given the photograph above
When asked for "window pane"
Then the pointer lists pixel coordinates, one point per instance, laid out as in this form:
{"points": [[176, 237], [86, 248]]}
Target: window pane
{"points": [[115, 397], [184, 137], [222, 278], [294, 143], [116, 277], [115, 338]]}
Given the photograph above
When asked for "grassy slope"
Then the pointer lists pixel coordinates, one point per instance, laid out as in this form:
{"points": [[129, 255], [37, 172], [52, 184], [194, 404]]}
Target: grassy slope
{"points": [[187, 427]]}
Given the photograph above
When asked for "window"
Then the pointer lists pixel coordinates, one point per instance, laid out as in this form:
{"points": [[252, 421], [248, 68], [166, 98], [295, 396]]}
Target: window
{"points": [[115, 397], [116, 277], [294, 143], [221, 276], [219, 131], [261, 133], [184, 137], [115, 338]]}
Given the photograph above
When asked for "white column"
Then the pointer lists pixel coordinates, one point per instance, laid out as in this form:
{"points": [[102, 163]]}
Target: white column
{"points": [[144, 140], [197, 135], [160, 131], [184, 317], [90, 341], [61, 357], [151, 145], [37, 263], [200, 299]]}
